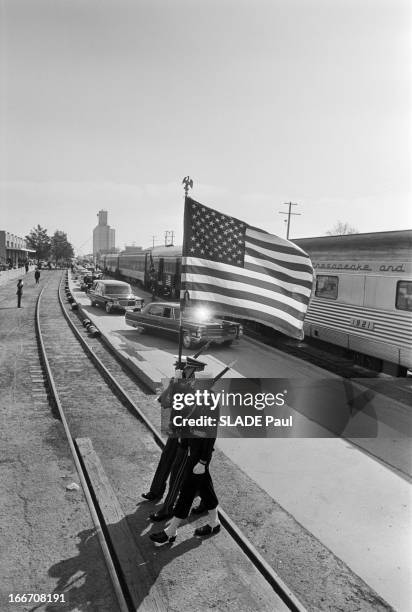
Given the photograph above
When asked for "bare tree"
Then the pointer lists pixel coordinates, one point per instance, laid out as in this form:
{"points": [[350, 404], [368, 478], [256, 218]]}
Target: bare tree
{"points": [[340, 228]]}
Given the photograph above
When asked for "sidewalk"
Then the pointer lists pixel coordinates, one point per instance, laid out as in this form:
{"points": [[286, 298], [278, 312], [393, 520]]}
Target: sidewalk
{"points": [[9, 275]]}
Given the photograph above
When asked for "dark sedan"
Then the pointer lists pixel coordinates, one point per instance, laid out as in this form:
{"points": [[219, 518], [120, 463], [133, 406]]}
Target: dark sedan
{"points": [[88, 280], [114, 295], [198, 325]]}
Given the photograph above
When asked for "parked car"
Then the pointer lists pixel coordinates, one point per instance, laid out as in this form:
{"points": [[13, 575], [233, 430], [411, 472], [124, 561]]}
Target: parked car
{"points": [[114, 295], [88, 280], [79, 271], [199, 325]]}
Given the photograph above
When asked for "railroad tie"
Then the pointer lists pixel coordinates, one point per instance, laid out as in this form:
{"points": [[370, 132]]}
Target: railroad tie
{"points": [[144, 594]]}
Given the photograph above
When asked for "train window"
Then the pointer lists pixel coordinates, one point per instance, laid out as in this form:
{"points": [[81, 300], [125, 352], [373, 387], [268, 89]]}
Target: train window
{"points": [[404, 295], [327, 287]]}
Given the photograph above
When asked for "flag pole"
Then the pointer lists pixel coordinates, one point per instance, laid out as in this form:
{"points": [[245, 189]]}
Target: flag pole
{"points": [[188, 183]]}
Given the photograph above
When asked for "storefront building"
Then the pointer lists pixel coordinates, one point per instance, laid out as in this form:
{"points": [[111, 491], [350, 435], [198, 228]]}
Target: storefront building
{"points": [[13, 251]]}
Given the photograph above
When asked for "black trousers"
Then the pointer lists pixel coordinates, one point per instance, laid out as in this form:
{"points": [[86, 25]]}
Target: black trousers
{"points": [[173, 463], [194, 484], [177, 476], [165, 466], [19, 300]]}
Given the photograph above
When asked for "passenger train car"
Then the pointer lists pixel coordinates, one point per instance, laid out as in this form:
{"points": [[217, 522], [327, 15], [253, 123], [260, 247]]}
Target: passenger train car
{"points": [[361, 300], [156, 269]]}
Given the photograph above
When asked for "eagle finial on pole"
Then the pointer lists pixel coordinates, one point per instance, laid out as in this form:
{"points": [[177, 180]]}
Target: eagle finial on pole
{"points": [[187, 182]]}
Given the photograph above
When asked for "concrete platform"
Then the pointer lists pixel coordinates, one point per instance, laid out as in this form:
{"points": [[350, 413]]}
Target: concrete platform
{"points": [[150, 363]]}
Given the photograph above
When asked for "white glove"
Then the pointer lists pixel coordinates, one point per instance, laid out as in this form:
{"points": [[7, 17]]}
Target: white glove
{"points": [[199, 468]]}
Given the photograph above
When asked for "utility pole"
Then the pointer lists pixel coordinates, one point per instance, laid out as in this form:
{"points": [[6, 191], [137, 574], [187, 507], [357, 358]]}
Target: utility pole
{"points": [[289, 214], [169, 237], [153, 241]]}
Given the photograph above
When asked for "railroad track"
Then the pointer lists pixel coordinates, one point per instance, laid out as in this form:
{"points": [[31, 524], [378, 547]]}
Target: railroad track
{"points": [[85, 378]]}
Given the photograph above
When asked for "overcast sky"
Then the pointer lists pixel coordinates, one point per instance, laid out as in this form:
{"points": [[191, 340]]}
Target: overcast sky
{"points": [[110, 103]]}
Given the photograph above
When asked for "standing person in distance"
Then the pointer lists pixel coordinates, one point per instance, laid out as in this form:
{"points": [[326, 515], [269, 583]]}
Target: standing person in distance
{"points": [[37, 275], [26, 266], [19, 292]]}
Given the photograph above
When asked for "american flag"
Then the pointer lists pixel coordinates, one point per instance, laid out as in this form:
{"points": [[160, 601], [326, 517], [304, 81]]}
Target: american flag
{"points": [[243, 271]]}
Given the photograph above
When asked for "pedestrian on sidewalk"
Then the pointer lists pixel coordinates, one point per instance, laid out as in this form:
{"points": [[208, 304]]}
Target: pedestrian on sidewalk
{"points": [[19, 292], [37, 275], [26, 266]]}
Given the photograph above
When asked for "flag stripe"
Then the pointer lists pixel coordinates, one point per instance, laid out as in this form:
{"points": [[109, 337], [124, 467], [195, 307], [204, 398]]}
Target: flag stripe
{"points": [[222, 277], [259, 278], [293, 262], [276, 272], [274, 243], [226, 302], [247, 310], [301, 270], [295, 309]]}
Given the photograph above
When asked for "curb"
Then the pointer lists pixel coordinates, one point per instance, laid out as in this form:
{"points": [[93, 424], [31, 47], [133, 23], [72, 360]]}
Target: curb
{"points": [[143, 376], [154, 384]]}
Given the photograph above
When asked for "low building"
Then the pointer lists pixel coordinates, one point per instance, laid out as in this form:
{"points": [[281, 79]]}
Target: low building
{"points": [[14, 251]]}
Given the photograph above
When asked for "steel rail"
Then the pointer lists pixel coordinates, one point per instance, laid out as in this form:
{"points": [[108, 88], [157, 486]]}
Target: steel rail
{"points": [[267, 571], [123, 605]]}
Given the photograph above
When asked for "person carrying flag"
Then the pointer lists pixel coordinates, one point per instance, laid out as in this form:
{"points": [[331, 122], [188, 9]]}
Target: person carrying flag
{"points": [[197, 478], [174, 455]]}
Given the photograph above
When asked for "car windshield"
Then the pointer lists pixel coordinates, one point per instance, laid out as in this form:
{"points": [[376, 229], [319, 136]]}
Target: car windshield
{"points": [[117, 289]]}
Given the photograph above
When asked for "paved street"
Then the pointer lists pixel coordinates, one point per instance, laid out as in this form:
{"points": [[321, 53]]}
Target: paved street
{"points": [[48, 541]]}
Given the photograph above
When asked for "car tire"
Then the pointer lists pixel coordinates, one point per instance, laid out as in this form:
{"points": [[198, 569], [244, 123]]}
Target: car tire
{"points": [[108, 308], [187, 340]]}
